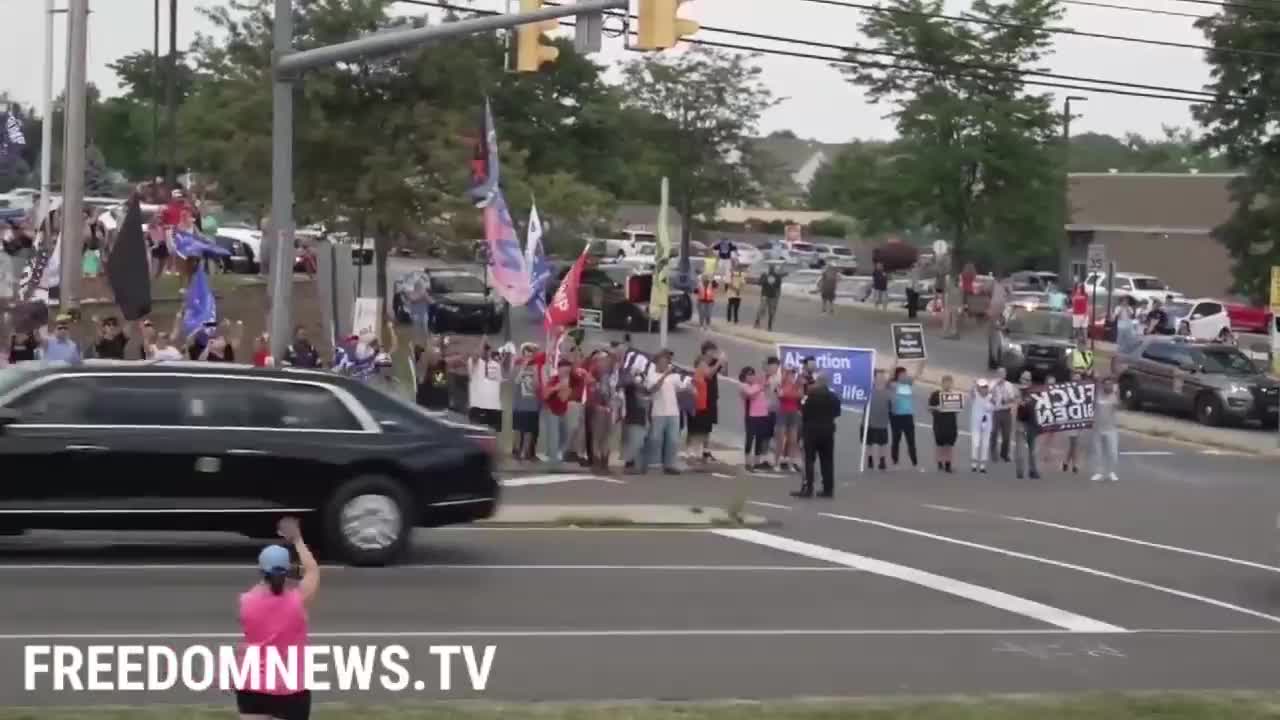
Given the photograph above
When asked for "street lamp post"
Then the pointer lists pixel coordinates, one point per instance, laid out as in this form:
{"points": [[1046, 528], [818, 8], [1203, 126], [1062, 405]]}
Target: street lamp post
{"points": [[1064, 239]]}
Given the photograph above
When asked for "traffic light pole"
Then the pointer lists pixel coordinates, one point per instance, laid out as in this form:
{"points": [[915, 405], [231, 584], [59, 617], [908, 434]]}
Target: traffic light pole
{"points": [[289, 64]]}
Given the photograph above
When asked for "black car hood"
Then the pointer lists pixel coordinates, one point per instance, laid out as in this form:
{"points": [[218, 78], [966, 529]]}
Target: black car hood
{"points": [[1041, 340], [464, 298]]}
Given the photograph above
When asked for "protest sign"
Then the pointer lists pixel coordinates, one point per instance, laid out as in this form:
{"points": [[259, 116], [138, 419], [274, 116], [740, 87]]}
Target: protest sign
{"points": [[950, 401], [1068, 406], [849, 373], [908, 341]]}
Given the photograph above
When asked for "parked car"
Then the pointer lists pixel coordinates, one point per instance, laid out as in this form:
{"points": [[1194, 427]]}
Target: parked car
{"points": [[196, 446], [1035, 281], [461, 301], [1203, 319], [837, 256], [1037, 340], [622, 295], [1143, 288], [1249, 319], [1215, 382], [245, 243], [748, 255], [803, 254]]}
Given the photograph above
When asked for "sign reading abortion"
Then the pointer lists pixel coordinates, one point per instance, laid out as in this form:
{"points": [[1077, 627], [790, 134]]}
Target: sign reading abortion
{"points": [[848, 370]]}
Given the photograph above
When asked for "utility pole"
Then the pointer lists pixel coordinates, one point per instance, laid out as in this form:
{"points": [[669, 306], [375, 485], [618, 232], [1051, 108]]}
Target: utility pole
{"points": [[156, 170], [288, 64], [73, 154], [46, 114], [1064, 238], [171, 94]]}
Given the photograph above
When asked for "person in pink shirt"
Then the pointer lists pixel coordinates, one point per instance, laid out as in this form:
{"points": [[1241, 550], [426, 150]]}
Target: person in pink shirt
{"points": [[756, 406], [273, 617]]}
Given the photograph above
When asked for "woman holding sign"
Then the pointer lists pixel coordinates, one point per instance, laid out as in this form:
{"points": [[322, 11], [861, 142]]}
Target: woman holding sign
{"points": [[945, 405]]}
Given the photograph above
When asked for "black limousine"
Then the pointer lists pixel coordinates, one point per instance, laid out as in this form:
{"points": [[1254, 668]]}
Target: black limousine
{"points": [[111, 445]]}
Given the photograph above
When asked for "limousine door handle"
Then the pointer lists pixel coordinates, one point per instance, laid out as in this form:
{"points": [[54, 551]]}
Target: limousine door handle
{"points": [[242, 452], [87, 448]]}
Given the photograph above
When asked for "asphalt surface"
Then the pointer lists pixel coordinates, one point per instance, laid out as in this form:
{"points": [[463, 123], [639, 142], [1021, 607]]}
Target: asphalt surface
{"points": [[906, 583]]}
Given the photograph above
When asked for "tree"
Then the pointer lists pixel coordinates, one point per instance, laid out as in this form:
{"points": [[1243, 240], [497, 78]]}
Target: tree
{"points": [[1240, 126], [702, 107], [144, 80], [1177, 150], [978, 157]]}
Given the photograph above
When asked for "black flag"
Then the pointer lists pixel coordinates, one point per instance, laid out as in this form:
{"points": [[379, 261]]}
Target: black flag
{"points": [[127, 267]]}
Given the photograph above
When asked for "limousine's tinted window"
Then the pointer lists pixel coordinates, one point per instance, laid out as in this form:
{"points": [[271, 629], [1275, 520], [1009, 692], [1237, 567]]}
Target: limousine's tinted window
{"points": [[64, 401], [214, 402]]}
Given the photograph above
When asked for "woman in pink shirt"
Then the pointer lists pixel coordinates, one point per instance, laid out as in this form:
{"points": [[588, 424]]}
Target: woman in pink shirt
{"points": [[756, 403], [273, 617]]}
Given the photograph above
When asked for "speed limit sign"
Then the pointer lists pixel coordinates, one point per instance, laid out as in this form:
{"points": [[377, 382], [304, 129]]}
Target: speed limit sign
{"points": [[1097, 257]]}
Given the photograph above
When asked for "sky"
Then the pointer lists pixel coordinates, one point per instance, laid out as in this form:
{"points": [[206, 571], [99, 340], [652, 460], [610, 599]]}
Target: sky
{"points": [[818, 103]]}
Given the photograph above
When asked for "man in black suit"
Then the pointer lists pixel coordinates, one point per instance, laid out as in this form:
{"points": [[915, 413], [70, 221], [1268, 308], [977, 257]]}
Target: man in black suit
{"points": [[818, 414]]}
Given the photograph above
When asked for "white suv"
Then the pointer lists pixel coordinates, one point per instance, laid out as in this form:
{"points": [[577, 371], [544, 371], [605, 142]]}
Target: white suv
{"points": [[1143, 288]]}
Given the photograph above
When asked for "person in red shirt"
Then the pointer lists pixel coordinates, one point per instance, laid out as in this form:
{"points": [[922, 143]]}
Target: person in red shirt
{"points": [[1080, 312], [968, 284], [262, 352], [557, 392]]}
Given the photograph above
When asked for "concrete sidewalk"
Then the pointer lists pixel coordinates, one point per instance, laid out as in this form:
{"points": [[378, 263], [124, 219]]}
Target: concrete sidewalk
{"points": [[1164, 428]]}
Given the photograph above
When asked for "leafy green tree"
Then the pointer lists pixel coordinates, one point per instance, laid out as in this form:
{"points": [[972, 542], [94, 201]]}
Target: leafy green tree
{"points": [[1177, 150], [978, 157], [1241, 127], [143, 80], [702, 107]]}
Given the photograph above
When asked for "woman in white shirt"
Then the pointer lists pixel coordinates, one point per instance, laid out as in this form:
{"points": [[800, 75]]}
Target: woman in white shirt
{"points": [[485, 388]]}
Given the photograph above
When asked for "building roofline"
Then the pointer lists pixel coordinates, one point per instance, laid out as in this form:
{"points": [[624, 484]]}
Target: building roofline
{"points": [[1149, 229], [1153, 175]]}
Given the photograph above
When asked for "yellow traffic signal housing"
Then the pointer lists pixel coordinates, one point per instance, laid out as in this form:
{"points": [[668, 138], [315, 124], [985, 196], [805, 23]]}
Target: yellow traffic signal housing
{"points": [[660, 25], [531, 52]]}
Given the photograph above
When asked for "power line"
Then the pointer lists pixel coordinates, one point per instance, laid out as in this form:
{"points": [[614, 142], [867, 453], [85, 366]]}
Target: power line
{"points": [[854, 50], [977, 72], [1130, 8], [1036, 28]]}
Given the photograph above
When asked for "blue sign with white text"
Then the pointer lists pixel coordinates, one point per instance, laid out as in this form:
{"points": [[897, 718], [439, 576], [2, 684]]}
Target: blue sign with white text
{"points": [[849, 371]]}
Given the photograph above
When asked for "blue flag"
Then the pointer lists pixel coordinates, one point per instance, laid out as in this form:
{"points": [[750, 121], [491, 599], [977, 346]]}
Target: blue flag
{"points": [[199, 307], [536, 261], [484, 162], [194, 245]]}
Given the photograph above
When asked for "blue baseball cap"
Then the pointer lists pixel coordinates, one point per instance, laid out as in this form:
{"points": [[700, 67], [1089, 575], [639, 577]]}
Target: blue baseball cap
{"points": [[274, 560]]}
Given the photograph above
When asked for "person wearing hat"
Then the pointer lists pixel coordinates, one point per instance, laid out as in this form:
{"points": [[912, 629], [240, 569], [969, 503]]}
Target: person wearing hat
{"points": [[273, 618], [982, 408], [111, 342], [61, 347]]}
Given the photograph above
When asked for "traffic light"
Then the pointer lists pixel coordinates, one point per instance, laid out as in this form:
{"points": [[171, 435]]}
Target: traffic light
{"points": [[531, 53], [661, 26]]}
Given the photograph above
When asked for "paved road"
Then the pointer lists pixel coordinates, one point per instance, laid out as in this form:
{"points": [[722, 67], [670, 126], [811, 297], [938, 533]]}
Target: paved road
{"points": [[905, 583]]}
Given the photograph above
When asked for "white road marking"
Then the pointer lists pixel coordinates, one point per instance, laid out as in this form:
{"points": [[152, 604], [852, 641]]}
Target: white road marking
{"points": [[947, 508], [1146, 543], [1147, 453], [768, 505], [1057, 563], [722, 476], [976, 593], [551, 479]]}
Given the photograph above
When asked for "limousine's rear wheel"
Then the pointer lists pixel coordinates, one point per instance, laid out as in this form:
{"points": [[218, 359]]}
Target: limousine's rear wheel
{"points": [[367, 520]]}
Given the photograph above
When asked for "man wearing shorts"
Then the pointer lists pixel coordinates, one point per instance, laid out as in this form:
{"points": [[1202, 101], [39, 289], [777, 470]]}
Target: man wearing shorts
{"points": [[877, 419]]}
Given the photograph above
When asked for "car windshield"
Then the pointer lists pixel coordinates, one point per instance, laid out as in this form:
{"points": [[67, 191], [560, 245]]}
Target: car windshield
{"points": [[801, 247], [842, 252], [445, 284], [647, 250], [1149, 283], [15, 375], [1040, 323], [1226, 361]]}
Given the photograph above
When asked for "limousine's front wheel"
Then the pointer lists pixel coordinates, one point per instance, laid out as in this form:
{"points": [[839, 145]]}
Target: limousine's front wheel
{"points": [[367, 520]]}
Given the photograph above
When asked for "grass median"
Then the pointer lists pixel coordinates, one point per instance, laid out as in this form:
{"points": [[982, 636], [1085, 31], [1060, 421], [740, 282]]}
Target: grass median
{"points": [[1156, 706]]}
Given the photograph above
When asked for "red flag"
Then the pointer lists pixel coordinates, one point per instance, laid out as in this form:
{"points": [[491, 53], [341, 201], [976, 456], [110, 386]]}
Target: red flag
{"points": [[563, 310]]}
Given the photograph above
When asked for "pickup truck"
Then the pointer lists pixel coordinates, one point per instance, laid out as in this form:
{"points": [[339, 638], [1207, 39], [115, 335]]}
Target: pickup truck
{"points": [[1249, 319]]}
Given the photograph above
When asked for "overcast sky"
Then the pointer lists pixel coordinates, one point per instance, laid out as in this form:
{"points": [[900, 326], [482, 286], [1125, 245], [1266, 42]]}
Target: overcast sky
{"points": [[819, 103]]}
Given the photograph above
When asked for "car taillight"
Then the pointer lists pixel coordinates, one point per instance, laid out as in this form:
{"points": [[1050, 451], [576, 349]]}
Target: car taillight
{"points": [[489, 443], [635, 290]]}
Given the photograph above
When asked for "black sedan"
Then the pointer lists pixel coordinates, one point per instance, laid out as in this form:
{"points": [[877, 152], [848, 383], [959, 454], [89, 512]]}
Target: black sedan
{"points": [[197, 446], [1038, 341], [460, 301]]}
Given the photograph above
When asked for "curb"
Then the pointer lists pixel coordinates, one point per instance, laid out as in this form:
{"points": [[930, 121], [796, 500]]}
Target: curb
{"points": [[619, 516], [931, 377]]}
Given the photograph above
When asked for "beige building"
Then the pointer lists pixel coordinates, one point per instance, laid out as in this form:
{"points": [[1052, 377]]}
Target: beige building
{"points": [[1155, 223]]}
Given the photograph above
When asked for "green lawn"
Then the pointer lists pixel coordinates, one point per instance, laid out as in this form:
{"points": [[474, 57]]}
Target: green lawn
{"points": [[1163, 706]]}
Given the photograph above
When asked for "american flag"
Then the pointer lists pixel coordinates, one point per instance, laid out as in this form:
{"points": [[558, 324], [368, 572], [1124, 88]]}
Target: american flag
{"points": [[13, 131]]}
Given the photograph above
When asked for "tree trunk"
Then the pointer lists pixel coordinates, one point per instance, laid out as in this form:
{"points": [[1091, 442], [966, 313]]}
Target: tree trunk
{"points": [[381, 249]]}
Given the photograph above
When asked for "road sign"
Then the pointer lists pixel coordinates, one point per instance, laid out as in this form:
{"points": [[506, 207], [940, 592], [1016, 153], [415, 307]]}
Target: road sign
{"points": [[1097, 257], [1275, 290], [591, 318], [908, 340]]}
